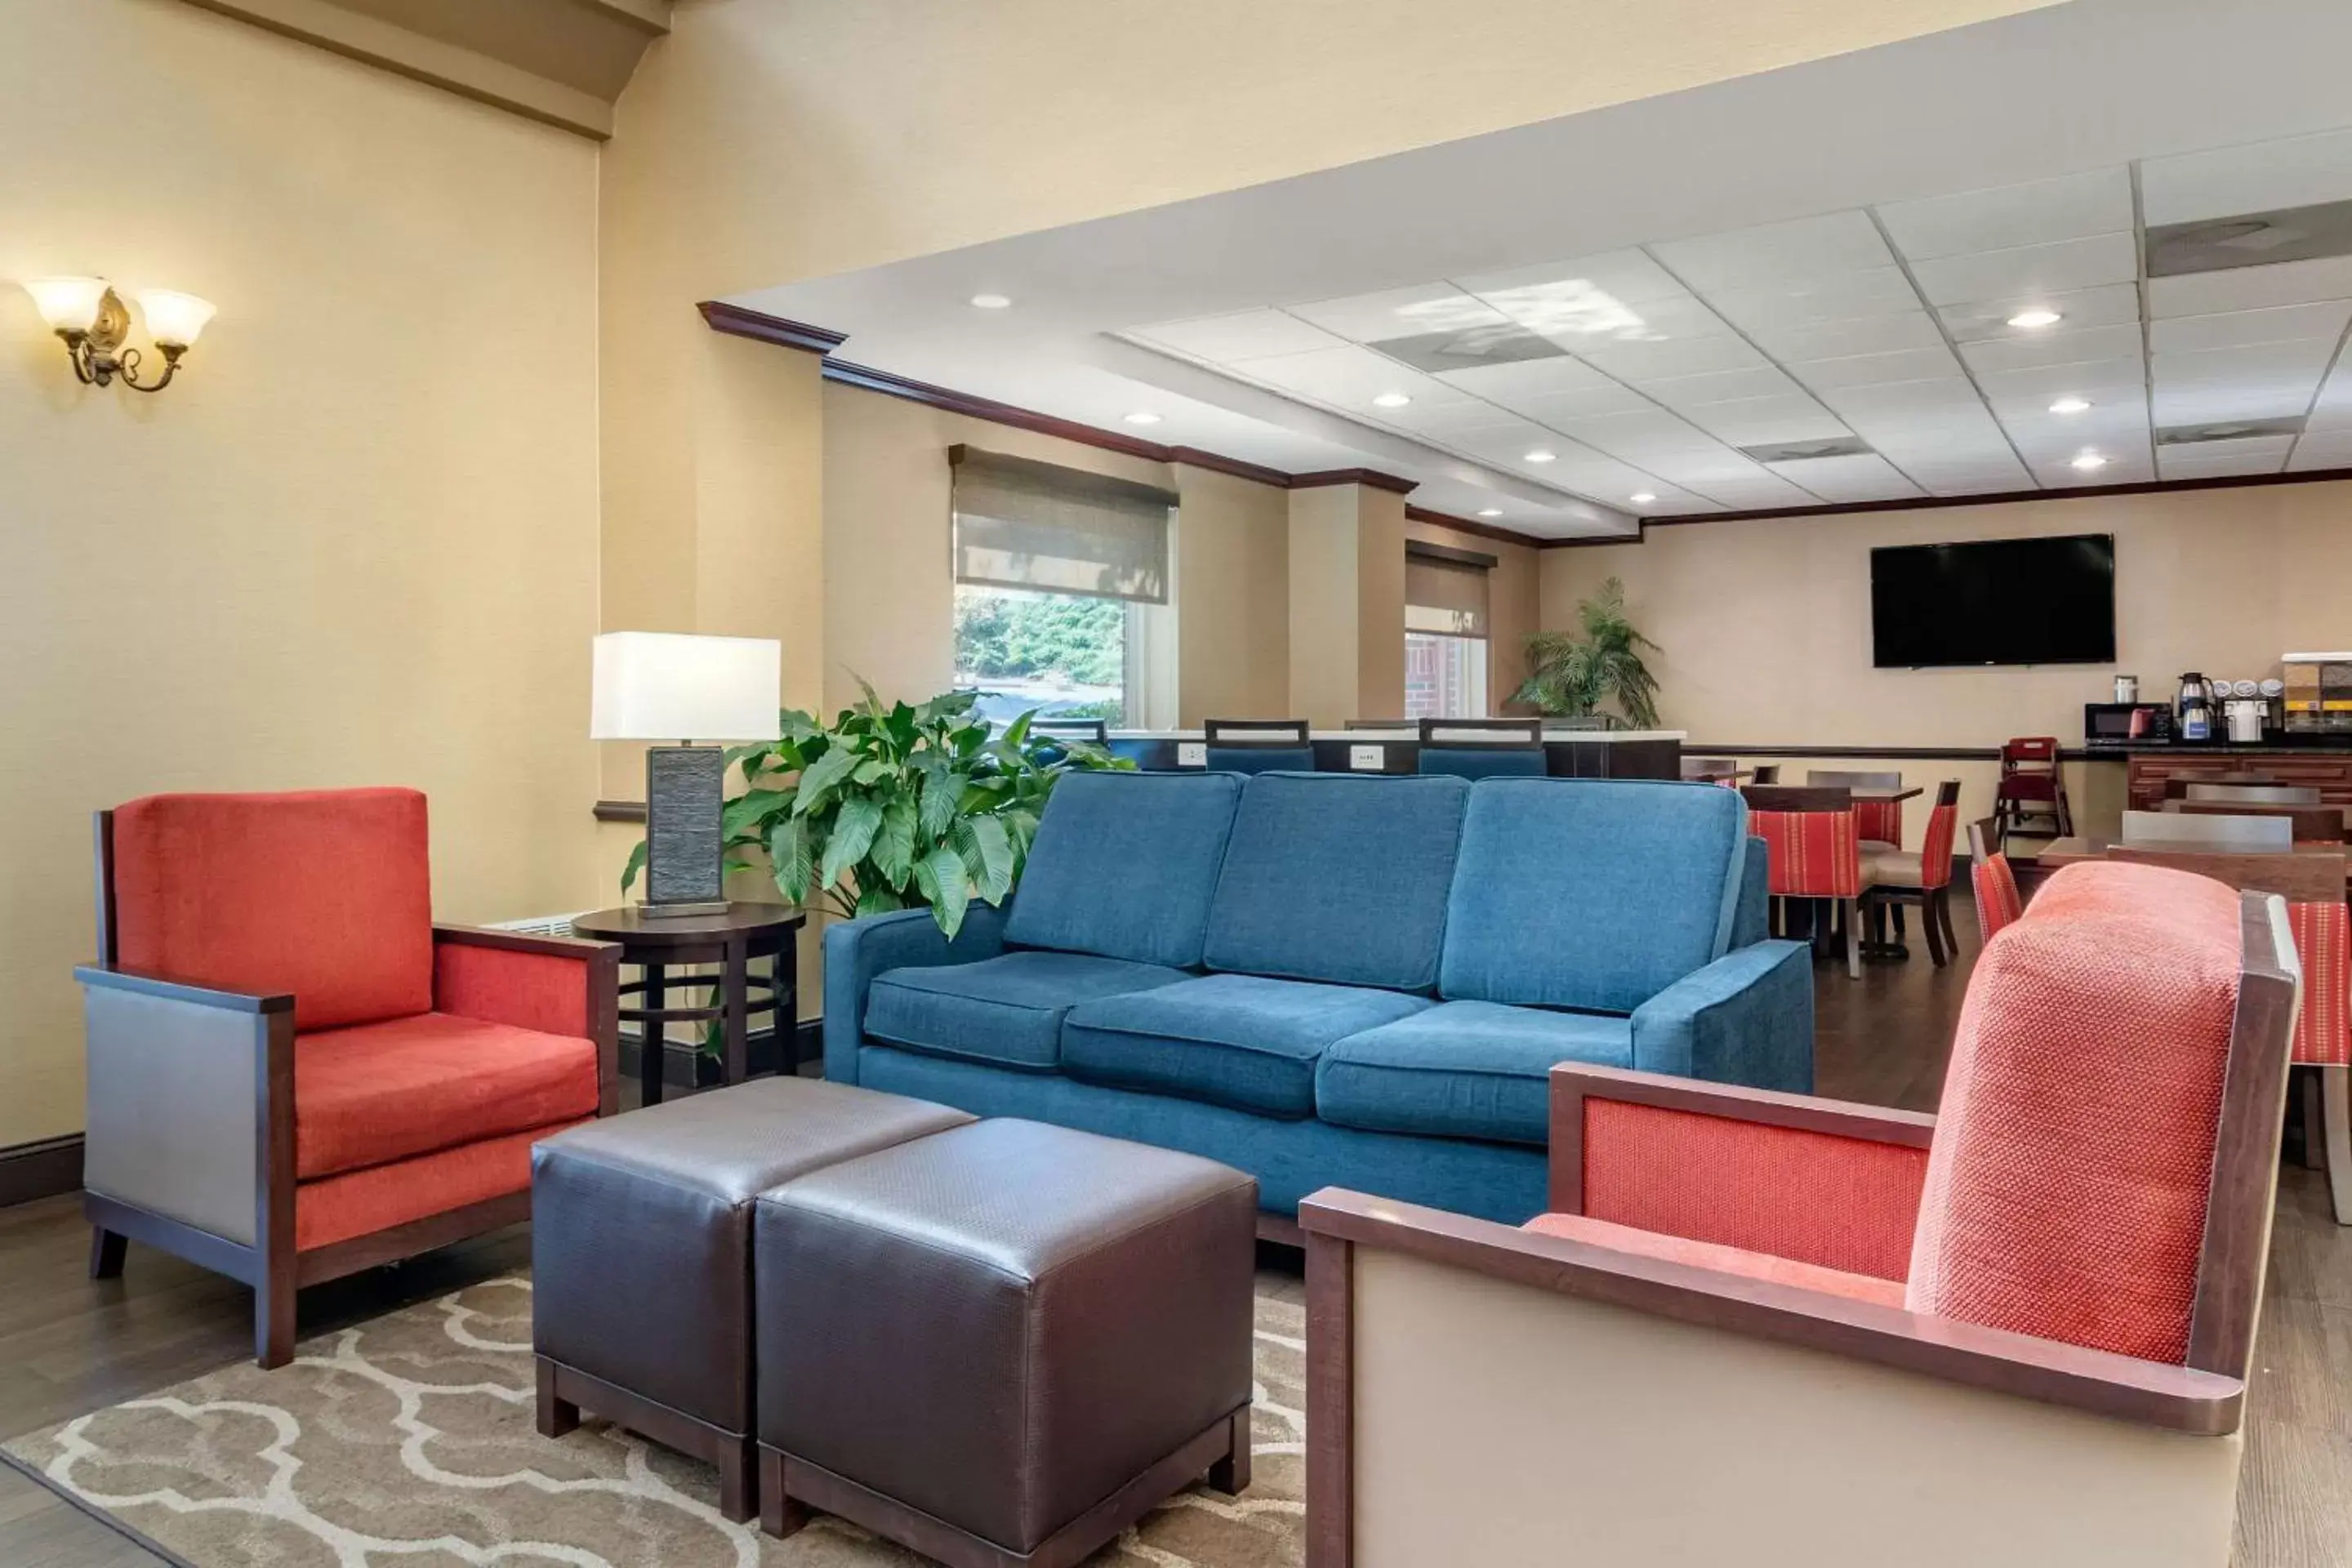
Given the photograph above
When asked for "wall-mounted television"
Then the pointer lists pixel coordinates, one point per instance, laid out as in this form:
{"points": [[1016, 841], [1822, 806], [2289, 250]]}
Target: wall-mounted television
{"points": [[1994, 601]]}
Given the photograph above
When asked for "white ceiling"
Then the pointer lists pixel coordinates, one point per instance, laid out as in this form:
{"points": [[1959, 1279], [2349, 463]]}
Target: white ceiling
{"points": [[1641, 365]]}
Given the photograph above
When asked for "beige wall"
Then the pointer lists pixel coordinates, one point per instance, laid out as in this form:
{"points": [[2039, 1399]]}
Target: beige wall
{"points": [[1513, 599], [356, 542], [1233, 598], [1764, 627]]}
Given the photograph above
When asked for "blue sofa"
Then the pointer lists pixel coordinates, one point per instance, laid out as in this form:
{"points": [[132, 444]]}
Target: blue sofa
{"points": [[1323, 979]]}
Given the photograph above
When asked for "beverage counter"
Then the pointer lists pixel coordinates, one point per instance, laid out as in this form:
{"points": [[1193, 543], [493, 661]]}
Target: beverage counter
{"points": [[1567, 753]]}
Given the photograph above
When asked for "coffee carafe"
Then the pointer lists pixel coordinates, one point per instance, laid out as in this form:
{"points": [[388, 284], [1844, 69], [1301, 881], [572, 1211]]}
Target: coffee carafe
{"points": [[2195, 706]]}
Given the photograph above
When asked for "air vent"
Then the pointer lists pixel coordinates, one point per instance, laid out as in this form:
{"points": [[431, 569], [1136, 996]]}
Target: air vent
{"points": [[2250, 239], [1798, 451], [2229, 430], [540, 925]]}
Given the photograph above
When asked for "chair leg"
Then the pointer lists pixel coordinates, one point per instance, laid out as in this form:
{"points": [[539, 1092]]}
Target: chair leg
{"points": [[106, 1250], [273, 1319], [1899, 934], [2335, 1111], [1937, 953], [1944, 919], [1853, 910]]}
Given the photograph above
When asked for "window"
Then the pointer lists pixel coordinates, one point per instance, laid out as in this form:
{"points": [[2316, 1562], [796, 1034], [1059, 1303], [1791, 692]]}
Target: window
{"points": [[1062, 590], [1445, 632]]}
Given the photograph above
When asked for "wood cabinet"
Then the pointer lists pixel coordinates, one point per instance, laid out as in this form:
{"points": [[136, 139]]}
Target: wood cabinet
{"points": [[2329, 772]]}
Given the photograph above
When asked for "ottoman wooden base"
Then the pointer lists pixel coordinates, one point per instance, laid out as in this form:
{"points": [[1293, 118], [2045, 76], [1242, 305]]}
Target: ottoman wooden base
{"points": [[790, 1489], [562, 1390]]}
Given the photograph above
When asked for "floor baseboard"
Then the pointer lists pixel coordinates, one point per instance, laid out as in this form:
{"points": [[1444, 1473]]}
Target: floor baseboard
{"points": [[41, 1170]]}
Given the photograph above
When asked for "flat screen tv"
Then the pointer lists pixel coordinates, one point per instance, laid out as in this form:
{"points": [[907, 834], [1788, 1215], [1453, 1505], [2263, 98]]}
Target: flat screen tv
{"points": [[1995, 601]]}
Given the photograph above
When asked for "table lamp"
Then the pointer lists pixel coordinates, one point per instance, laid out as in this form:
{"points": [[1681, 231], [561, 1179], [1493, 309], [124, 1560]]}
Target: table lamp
{"points": [[666, 686]]}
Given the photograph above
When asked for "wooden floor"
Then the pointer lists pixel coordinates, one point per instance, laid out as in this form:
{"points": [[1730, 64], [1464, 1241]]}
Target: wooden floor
{"points": [[68, 1345]]}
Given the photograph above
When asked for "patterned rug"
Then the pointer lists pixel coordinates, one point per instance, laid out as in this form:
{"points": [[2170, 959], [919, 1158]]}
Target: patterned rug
{"points": [[409, 1440]]}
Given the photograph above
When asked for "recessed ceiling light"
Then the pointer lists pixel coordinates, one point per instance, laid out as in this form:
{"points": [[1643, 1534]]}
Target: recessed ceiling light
{"points": [[2071, 406], [1644, 498], [1143, 416], [1540, 456], [2036, 317], [992, 301], [1490, 512], [1391, 400], [2089, 460]]}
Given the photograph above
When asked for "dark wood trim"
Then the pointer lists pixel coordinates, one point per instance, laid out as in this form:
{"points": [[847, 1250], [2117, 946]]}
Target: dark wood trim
{"points": [[1495, 531], [1890, 754], [573, 947], [841, 373], [1422, 549], [1370, 478], [2245, 1148], [739, 322], [2311, 824], [620, 811], [605, 1026], [377, 1248], [277, 1273], [217, 1254], [1218, 463], [1330, 1401], [564, 1391], [109, 978], [46, 1168], [2176, 1398], [102, 836], [1798, 797]]}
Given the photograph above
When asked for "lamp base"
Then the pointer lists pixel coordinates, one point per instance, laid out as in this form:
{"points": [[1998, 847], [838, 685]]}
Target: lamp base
{"points": [[684, 835]]}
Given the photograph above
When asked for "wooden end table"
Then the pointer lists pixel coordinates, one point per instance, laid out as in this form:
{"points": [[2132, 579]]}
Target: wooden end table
{"points": [[658, 944]]}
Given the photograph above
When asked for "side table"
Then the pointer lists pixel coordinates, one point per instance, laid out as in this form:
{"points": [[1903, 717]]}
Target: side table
{"points": [[659, 945]]}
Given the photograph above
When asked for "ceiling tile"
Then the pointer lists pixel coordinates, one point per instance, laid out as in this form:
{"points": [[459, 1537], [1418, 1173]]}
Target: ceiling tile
{"points": [[2024, 349], [1637, 436], [1764, 492], [1605, 396], [1722, 386], [1943, 395], [2300, 171], [2332, 411], [2040, 433], [2069, 207], [2189, 463], [2250, 288], [1349, 376], [1870, 370], [1627, 276], [2210, 405], [1777, 253], [1245, 334], [1836, 297], [1441, 418], [1966, 479], [2231, 448], [1867, 476], [2240, 328], [2329, 450], [1531, 378], [1509, 445], [1756, 421], [2059, 267], [1469, 348], [1400, 313], [1703, 467], [1641, 361], [2112, 305], [2127, 468], [1884, 334], [2303, 360], [2122, 380]]}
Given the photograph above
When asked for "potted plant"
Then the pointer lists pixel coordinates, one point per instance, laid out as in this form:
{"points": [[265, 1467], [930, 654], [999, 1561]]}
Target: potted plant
{"points": [[1571, 674]]}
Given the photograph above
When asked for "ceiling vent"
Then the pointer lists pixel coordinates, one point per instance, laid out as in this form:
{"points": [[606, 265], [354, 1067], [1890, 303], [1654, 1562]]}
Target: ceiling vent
{"points": [[2250, 239], [1800, 451], [2229, 430]]}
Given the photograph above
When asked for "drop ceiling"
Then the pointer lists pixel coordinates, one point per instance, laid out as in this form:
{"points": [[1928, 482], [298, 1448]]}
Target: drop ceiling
{"points": [[2037, 254]]}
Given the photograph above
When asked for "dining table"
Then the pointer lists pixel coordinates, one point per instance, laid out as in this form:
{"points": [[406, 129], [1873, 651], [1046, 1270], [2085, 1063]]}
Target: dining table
{"points": [[2058, 853]]}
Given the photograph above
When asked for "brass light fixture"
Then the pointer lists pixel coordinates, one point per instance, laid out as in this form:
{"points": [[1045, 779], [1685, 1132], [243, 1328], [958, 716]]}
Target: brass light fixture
{"points": [[94, 320]]}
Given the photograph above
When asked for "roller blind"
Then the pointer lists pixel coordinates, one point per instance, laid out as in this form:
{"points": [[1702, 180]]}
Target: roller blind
{"points": [[1448, 597], [1019, 523]]}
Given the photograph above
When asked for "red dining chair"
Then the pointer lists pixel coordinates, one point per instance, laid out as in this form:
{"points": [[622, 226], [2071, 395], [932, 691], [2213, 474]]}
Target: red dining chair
{"points": [[1893, 877], [1813, 851], [2030, 788], [1880, 822], [1998, 901]]}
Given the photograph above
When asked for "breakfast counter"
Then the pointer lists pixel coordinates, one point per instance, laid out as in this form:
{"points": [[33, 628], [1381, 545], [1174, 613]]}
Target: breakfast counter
{"points": [[1567, 753]]}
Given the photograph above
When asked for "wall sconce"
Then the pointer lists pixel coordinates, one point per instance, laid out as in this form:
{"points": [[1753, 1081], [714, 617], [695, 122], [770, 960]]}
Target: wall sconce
{"points": [[92, 318]]}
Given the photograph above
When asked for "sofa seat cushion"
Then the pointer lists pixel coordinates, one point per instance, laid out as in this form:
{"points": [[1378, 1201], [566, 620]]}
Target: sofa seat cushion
{"points": [[376, 1093], [1717, 1259], [1006, 1010], [1238, 1040], [1463, 1069]]}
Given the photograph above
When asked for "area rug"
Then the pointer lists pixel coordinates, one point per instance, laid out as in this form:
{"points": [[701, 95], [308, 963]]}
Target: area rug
{"points": [[409, 1440]]}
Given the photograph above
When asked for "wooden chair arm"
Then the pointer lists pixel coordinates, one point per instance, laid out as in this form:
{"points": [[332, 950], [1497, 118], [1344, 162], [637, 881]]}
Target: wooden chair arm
{"points": [[112, 977], [524, 942]]}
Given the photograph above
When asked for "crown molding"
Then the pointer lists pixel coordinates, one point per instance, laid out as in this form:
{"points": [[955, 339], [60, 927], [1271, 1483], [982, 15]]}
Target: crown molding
{"points": [[1480, 530], [738, 322]]}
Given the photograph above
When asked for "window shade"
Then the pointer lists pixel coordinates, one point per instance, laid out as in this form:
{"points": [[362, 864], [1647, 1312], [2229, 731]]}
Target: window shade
{"points": [[1026, 525], [1448, 597]]}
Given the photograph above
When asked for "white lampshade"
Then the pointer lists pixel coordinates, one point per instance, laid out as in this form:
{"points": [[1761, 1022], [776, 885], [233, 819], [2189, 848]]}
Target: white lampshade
{"points": [[667, 686], [68, 304], [173, 317]]}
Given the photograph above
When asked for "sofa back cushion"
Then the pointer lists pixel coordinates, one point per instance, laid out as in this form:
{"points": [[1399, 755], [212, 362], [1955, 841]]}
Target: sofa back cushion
{"points": [[2070, 1175], [1591, 893], [1337, 878], [1124, 866], [326, 894]]}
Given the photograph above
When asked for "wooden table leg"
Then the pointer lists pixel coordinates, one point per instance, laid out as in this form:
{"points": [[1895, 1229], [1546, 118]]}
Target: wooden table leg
{"points": [[651, 1033], [788, 1002], [735, 985]]}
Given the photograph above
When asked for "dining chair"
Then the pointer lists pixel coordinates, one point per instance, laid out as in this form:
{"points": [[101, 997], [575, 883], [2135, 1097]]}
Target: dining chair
{"points": [[1813, 852], [1998, 903], [2178, 788], [1483, 748], [1766, 774], [2312, 883], [2310, 823], [2259, 794], [2244, 834], [1258, 746], [1880, 822], [1710, 770], [2032, 787], [1893, 877]]}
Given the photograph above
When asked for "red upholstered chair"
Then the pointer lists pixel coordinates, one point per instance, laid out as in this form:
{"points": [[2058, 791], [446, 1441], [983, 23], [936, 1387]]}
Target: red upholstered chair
{"points": [[1893, 878], [1767, 1328], [1998, 901], [1814, 851], [2032, 788], [294, 1074], [1878, 822]]}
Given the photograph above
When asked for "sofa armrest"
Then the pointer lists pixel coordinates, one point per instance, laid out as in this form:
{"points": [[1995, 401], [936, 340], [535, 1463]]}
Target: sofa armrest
{"points": [[556, 985], [1747, 1019], [857, 950], [1817, 1181]]}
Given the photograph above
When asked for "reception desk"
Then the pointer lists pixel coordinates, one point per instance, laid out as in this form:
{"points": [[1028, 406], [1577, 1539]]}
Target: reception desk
{"points": [[1567, 753]]}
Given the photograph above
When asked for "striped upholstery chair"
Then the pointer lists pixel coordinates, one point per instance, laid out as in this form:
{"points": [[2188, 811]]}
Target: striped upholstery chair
{"points": [[1998, 901], [1879, 822], [1893, 877], [1815, 852]]}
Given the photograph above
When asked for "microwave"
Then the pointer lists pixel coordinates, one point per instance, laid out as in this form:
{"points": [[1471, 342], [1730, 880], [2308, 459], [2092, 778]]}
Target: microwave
{"points": [[2111, 726]]}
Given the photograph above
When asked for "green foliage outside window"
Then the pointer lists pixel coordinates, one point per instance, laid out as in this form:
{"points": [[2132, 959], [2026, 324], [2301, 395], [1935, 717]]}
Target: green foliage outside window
{"points": [[1003, 635]]}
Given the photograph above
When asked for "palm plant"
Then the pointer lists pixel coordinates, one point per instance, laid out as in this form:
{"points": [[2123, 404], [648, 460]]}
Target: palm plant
{"points": [[1570, 674]]}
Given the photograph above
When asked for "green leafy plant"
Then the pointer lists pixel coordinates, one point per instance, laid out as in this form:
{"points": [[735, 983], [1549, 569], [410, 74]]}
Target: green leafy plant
{"points": [[897, 807], [1571, 674]]}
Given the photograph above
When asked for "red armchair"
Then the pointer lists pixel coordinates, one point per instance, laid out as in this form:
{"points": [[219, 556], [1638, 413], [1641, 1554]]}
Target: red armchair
{"points": [[1771, 1329], [294, 1074]]}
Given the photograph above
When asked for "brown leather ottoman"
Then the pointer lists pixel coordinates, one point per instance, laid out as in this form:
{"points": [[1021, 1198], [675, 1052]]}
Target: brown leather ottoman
{"points": [[641, 1255], [1003, 1343]]}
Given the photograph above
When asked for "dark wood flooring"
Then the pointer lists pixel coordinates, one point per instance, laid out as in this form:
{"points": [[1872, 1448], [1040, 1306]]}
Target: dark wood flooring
{"points": [[68, 1345]]}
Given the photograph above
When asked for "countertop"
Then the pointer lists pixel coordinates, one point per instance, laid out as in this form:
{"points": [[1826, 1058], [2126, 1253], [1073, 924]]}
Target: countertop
{"points": [[1551, 737], [2285, 746]]}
